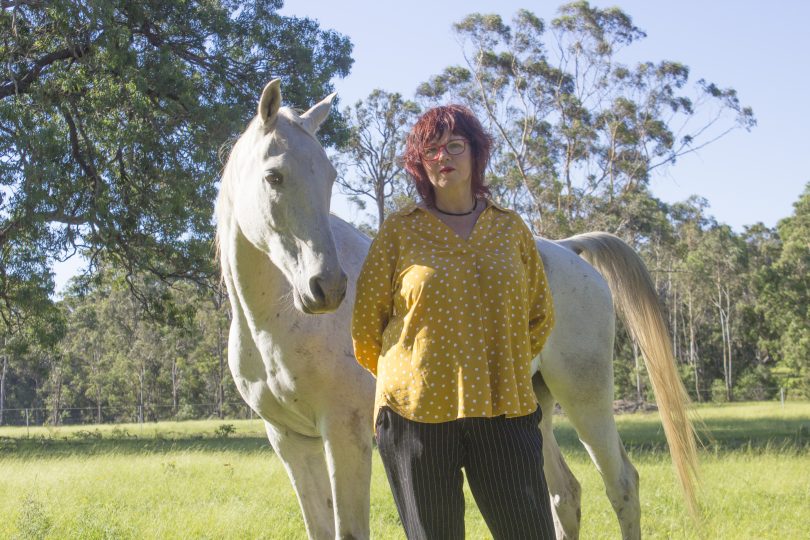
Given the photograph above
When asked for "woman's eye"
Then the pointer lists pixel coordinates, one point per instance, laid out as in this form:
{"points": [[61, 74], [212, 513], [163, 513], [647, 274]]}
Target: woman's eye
{"points": [[273, 178]]}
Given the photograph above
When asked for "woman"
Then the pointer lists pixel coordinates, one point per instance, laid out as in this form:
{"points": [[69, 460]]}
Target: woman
{"points": [[452, 306]]}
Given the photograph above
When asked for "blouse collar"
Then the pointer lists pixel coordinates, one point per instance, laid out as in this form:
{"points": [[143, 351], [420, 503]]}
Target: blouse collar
{"points": [[414, 207]]}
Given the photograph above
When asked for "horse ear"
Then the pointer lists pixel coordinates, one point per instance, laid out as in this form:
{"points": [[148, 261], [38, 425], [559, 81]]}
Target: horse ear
{"points": [[313, 118], [270, 102]]}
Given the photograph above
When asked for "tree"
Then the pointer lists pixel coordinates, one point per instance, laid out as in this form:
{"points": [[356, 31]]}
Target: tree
{"points": [[370, 167], [26, 356], [111, 115], [784, 298], [124, 365], [578, 131], [718, 261]]}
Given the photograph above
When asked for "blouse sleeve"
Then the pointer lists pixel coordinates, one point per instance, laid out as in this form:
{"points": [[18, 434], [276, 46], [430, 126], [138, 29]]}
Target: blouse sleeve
{"points": [[541, 304], [374, 301]]}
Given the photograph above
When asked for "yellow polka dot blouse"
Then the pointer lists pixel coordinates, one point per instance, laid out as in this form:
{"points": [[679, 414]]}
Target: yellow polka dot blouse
{"points": [[450, 326]]}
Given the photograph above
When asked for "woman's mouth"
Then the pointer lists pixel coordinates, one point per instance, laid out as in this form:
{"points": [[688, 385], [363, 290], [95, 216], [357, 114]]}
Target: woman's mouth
{"points": [[446, 169]]}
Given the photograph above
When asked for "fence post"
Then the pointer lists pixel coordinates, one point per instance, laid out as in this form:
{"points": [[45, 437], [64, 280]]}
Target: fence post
{"points": [[782, 396], [27, 428]]}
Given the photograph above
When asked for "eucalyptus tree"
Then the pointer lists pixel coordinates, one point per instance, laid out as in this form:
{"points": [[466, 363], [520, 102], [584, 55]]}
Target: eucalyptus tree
{"points": [[784, 298], [578, 130], [369, 168], [111, 116], [26, 359]]}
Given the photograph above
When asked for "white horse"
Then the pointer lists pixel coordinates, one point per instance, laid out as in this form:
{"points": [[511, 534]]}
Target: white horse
{"points": [[290, 348]]}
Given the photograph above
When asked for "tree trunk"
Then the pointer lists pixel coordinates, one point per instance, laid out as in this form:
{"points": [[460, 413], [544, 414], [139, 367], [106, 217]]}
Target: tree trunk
{"points": [[692, 351], [97, 376], [729, 379], [726, 345], [220, 385], [175, 384], [675, 330], [141, 377], [56, 397], [3, 372], [380, 186], [219, 302]]}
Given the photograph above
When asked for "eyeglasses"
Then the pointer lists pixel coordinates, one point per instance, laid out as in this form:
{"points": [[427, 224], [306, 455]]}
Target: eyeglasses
{"points": [[454, 148]]}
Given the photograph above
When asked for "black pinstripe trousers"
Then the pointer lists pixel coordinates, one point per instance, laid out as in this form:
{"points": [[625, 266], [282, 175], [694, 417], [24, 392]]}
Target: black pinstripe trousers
{"points": [[501, 457]]}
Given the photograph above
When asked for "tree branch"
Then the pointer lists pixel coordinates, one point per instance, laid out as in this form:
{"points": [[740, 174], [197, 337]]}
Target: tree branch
{"points": [[17, 86]]}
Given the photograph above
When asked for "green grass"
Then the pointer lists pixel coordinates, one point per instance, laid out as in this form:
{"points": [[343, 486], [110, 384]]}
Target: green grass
{"points": [[187, 480]]}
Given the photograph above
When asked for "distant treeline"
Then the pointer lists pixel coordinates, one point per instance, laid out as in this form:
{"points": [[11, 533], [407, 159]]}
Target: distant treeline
{"points": [[736, 304]]}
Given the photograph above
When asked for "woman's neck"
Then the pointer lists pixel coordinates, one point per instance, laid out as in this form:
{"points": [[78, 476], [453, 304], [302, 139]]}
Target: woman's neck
{"points": [[455, 201]]}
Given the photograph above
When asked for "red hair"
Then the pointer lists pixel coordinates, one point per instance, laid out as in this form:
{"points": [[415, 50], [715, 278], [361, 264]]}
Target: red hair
{"points": [[452, 119]]}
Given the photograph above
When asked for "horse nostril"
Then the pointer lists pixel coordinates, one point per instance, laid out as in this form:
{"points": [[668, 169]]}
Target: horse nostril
{"points": [[316, 289]]}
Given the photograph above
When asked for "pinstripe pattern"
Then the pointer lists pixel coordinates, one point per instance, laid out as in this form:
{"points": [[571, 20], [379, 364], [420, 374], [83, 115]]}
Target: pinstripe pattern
{"points": [[503, 461]]}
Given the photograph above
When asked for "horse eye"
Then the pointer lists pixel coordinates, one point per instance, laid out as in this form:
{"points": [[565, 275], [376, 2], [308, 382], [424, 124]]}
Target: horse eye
{"points": [[273, 178]]}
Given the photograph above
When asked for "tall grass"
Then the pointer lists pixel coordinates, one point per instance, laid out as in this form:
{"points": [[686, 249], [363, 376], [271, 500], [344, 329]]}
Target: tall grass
{"points": [[200, 480]]}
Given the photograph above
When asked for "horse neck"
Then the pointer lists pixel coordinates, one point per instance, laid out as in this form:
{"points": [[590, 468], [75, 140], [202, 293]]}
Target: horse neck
{"points": [[256, 286]]}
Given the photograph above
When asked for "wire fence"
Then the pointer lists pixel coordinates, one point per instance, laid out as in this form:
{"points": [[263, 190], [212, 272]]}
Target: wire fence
{"points": [[39, 416], [717, 392], [233, 410]]}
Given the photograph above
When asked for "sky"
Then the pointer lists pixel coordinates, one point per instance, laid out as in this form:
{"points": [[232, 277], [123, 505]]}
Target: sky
{"points": [[759, 48]]}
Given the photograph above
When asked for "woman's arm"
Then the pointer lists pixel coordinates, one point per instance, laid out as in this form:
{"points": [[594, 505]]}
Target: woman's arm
{"points": [[373, 304]]}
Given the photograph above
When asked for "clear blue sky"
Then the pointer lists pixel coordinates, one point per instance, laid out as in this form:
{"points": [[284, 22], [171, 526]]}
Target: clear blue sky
{"points": [[759, 48]]}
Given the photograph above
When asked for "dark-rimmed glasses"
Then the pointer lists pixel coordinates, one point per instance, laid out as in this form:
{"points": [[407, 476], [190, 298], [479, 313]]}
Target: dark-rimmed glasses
{"points": [[454, 148]]}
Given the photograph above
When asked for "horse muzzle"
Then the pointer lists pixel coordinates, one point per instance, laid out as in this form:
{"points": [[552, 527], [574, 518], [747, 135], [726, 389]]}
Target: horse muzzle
{"points": [[325, 293]]}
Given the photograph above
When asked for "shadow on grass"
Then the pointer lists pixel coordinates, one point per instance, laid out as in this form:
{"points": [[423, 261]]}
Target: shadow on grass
{"points": [[52, 447], [642, 434]]}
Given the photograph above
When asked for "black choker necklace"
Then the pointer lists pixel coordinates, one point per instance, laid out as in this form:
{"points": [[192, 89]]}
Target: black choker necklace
{"points": [[439, 210]]}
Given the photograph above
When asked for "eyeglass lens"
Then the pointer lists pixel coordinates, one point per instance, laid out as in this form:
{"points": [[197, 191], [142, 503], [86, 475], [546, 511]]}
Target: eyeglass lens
{"points": [[454, 148]]}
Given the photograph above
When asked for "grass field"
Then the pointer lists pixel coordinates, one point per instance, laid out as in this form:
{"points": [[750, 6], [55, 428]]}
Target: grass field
{"points": [[195, 480]]}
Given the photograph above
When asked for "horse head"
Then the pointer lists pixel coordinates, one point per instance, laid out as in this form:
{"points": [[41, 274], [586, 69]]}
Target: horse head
{"points": [[280, 191]]}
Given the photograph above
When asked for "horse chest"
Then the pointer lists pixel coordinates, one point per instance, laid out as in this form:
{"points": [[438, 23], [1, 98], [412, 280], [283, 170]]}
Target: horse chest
{"points": [[279, 395]]}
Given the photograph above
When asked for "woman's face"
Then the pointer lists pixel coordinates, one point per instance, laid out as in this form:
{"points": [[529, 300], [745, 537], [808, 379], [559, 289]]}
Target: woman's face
{"points": [[448, 161]]}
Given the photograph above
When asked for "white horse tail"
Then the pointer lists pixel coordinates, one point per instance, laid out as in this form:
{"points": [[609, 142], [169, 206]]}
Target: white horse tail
{"points": [[637, 304]]}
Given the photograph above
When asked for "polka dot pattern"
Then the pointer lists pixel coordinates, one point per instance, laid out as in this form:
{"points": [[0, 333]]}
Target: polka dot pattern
{"points": [[450, 326]]}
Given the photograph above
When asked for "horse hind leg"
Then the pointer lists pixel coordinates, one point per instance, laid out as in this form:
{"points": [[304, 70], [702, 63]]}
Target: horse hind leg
{"points": [[597, 431], [564, 489], [303, 458]]}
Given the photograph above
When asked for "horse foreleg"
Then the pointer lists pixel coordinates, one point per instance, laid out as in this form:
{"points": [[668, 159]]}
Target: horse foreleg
{"points": [[347, 441], [303, 458], [564, 489], [594, 423]]}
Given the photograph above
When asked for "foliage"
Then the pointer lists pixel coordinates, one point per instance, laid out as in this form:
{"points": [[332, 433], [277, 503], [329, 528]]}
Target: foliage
{"points": [[111, 115], [578, 131], [785, 299], [115, 363], [224, 430], [369, 166], [32, 521]]}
